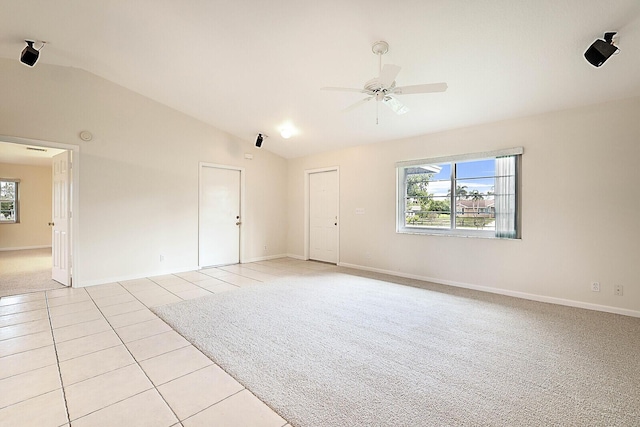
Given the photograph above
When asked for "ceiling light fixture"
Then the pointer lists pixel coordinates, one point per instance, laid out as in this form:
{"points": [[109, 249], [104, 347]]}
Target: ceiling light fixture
{"points": [[601, 50], [260, 138], [30, 54], [286, 132]]}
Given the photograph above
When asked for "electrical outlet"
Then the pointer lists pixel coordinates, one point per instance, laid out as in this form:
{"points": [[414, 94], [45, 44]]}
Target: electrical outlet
{"points": [[617, 290], [595, 286]]}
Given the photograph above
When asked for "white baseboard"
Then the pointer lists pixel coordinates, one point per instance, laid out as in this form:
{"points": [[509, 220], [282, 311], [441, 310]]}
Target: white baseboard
{"points": [[133, 276], [294, 256], [516, 294], [24, 248], [263, 258]]}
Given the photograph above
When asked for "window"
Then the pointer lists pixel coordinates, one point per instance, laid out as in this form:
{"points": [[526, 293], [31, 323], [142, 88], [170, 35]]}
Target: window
{"points": [[9, 200], [468, 195]]}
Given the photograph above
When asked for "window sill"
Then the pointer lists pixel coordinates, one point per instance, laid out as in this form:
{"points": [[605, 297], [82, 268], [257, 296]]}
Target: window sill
{"points": [[453, 233]]}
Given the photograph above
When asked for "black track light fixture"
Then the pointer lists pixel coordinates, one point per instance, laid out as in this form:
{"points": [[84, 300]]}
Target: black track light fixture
{"points": [[30, 54], [601, 50], [260, 138]]}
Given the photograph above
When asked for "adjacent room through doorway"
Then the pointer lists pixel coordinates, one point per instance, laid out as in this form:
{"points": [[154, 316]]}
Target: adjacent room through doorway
{"points": [[26, 218]]}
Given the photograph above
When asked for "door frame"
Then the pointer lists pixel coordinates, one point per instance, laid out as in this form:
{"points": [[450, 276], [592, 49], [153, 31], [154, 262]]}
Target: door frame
{"points": [[307, 210], [74, 240], [202, 165]]}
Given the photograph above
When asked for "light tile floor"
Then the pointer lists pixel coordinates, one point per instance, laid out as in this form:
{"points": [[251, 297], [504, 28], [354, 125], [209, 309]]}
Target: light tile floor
{"points": [[97, 356]]}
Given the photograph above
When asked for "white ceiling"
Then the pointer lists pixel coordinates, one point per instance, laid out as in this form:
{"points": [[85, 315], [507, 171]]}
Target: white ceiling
{"points": [[20, 154], [248, 66]]}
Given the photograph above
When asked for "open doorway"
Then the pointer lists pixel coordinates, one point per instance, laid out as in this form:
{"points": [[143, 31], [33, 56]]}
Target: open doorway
{"points": [[26, 221]]}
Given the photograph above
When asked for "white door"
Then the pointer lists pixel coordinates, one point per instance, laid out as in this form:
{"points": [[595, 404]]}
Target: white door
{"points": [[323, 216], [219, 228], [61, 218]]}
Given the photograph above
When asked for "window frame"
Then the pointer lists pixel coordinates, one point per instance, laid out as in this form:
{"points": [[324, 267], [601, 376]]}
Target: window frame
{"points": [[402, 228], [15, 200]]}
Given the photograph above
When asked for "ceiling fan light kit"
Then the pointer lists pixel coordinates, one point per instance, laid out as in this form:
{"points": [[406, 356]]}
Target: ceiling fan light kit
{"points": [[383, 88]]}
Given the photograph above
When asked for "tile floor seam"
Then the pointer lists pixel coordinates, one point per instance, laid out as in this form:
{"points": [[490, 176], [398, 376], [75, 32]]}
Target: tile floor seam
{"points": [[20, 373], [153, 386], [29, 398], [20, 312], [111, 404], [111, 305], [188, 373], [219, 401], [213, 293], [247, 277], [21, 336], [91, 352], [21, 323], [70, 314], [24, 351], [161, 354], [149, 336], [80, 336], [55, 349], [158, 284], [125, 313], [101, 373], [229, 283], [74, 324]]}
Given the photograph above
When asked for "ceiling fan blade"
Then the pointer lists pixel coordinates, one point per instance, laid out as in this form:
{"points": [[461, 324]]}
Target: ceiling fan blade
{"points": [[388, 74], [343, 89], [398, 107], [357, 104], [426, 88]]}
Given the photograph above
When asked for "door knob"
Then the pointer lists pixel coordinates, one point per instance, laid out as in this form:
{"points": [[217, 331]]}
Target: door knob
{"points": [[51, 224]]}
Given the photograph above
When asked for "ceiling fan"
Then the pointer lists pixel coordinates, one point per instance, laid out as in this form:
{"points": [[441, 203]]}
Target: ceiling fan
{"points": [[383, 88]]}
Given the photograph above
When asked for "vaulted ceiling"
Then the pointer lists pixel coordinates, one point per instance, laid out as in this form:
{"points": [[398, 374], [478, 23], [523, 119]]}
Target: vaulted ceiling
{"points": [[249, 66]]}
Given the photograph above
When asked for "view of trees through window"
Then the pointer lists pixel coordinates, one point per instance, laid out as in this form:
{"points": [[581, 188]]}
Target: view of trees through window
{"points": [[8, 201], [455, 195]]}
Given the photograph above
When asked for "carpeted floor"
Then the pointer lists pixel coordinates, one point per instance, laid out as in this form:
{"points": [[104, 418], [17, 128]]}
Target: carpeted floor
{"points": [[340, 350], [26, 271]]}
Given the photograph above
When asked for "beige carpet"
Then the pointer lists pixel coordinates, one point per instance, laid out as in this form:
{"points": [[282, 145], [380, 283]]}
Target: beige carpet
{"points": [[26, 271], [340, 350]]}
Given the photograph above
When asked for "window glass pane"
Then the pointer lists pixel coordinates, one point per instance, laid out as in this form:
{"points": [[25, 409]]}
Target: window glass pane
{"points": [[8, 193], [426, 201], [7, 190], [476, 168], [475, 185], [7, 211]]}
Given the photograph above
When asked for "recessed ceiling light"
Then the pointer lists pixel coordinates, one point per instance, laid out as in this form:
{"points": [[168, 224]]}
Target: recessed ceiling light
{"points": [[286, 132], [287, 129]]}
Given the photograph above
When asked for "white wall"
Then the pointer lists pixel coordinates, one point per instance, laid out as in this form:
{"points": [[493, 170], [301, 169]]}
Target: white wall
{"points": [[580, 208], [139, 175], [34, 189]]}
